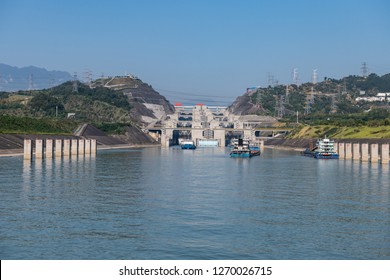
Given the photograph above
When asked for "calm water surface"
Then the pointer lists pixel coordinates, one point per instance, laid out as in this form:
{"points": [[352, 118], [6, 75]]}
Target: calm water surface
{"points": [[171, 204]]}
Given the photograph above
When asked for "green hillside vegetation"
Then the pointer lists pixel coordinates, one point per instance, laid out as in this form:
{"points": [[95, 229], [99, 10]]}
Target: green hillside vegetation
{"points": [[320, 131], [46, 111], [373, 124], [340, 93], [28, 125]]}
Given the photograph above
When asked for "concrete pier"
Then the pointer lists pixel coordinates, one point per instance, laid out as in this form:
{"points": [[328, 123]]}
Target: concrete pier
{"points": [[58, 148], [385, 153], [87, 146], [364, 152], [49, 148], [374, 153], [356, 151], [28, 149], [81, 147], [38, 148], [74, 149], [66, 149], [341, 150], [348, 151], [93, 146]]}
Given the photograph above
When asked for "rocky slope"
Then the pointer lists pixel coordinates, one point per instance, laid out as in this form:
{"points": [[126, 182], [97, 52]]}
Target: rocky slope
{"points": [[148, 106]]}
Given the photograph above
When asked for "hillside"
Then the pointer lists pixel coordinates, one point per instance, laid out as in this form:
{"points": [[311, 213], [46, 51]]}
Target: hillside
{"points": [[110, 100], [148, 105], [330, 96]]}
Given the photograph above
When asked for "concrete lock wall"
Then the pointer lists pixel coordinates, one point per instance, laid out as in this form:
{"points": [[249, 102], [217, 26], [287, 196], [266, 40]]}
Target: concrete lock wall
{"points": [[220, 135], [66, 149], [364, 152], [81, 147], [28, 148], [38, 148], [348, 151], [58, 148], [49, 148], [341, 150], [87, 146], [74, 149], [356, 151], [93, 146], [385, 153], [374, 153]]}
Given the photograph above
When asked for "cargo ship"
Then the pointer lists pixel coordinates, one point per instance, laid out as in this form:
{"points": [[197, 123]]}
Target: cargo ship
{"points": [[324, 149], [242, 148]]}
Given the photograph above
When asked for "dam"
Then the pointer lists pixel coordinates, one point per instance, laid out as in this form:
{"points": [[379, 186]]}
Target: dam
{"points": [[212, 126]]}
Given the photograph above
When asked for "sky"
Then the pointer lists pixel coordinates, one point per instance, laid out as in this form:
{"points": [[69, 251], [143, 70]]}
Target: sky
{"points": [[194, 51]]}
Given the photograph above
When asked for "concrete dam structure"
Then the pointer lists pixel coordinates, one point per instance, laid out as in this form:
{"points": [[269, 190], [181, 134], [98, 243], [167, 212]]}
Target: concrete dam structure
{"points": [[212, 126]]}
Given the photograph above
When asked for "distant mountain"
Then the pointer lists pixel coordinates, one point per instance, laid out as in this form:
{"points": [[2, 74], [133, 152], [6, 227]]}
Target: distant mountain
{"points": [[28, 78]]}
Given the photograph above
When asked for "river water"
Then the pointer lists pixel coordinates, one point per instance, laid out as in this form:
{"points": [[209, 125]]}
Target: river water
{"points": [[157, 203]]}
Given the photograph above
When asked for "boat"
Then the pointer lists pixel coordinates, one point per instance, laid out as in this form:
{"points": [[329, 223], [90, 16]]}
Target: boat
{"points": [[188, 145], [242, 148], [324, 149]]}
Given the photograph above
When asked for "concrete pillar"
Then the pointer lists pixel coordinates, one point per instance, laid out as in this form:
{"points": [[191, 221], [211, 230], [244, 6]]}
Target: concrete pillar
{"points": [[341, 150], [364, 152], [49, 148], [262, 145], [356, 151], [66, 151], [81, 147], [75, 147], [220, 135], [93, 146], [336, 147], [196, 135], [247, 134], [28, 150], [385, 153], [58, 151], [374, 153], [87, 146], [38, 148], [348, 150]]}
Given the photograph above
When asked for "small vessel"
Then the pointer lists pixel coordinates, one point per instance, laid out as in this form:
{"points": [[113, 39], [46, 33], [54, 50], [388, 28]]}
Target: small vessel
{"points": [[188, 145], [242, 148], [324, 149]]}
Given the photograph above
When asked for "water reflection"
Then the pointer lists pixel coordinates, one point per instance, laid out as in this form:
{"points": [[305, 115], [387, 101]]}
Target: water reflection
{"points": [[202, 204]]}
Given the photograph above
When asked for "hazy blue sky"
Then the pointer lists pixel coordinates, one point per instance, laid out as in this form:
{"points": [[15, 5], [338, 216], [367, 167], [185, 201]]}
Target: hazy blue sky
{"points": [[189, 49]]}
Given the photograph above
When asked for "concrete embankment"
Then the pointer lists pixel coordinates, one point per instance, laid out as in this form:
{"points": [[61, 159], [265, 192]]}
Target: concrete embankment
{"points": [[289, 144], [12, 144], [302, 144]]}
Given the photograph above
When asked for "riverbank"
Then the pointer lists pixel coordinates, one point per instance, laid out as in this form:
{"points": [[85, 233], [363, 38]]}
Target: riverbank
{"points": [[19, 152], [12, 144]]}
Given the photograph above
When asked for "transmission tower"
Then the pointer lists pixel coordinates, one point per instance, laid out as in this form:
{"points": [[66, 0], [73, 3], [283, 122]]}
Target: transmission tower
{"points": [[333, 108], [88, 77], [74, 83], [279, 106], [270, 79], [314, 77], [364, 70], [258, 99], [295, 76], [309, 102], [30, 82], [287, 99]]}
